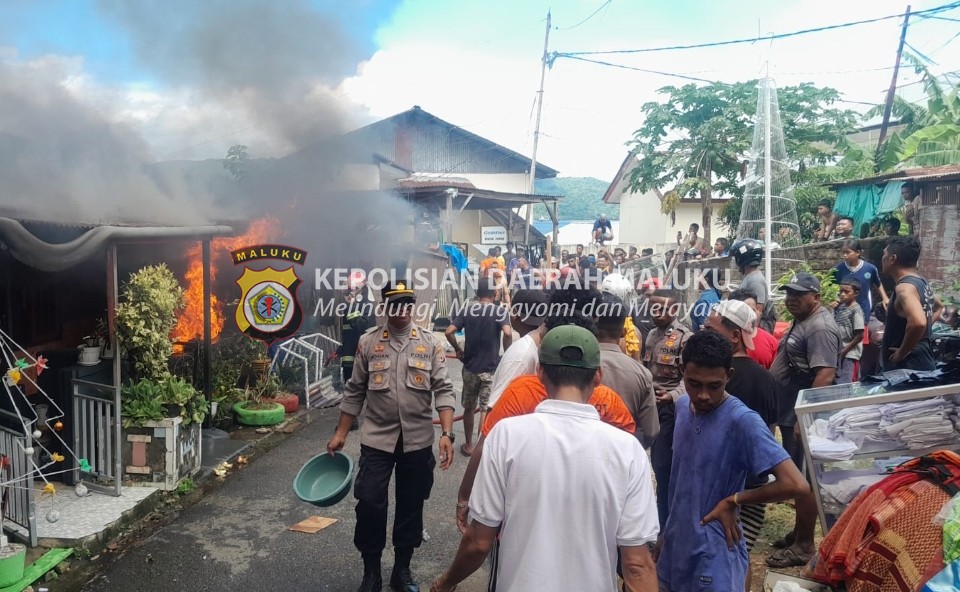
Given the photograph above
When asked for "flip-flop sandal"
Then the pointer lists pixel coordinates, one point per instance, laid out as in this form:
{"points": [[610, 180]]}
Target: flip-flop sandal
{"points": [[787, 558], [463, 450], [784, 541]]}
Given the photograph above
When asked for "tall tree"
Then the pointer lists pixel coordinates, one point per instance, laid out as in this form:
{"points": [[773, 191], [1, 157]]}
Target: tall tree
{"points": [[695, 142], [236, 161]]}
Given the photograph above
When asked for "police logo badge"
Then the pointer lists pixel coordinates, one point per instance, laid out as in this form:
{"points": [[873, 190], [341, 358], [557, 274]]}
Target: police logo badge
{"points": [[268, 308]]}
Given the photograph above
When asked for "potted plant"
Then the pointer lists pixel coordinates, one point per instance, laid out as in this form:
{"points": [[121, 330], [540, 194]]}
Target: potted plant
{"points": [[89, 351], [257, 410], [150, 401], [290, 401], [141, 403], [161, 420]]}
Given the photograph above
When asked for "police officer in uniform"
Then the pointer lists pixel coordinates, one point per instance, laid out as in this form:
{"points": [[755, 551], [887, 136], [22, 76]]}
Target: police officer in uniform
{"points": [[399, 371], [662, 357], [354, 322]]}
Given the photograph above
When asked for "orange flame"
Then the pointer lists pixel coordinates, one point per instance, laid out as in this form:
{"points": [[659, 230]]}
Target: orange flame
{"points": [[190, 319]]}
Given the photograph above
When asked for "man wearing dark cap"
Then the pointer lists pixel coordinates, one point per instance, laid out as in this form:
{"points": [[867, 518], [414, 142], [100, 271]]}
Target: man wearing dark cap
{"points": [[398, 371], [556, 476], [808, 357]]}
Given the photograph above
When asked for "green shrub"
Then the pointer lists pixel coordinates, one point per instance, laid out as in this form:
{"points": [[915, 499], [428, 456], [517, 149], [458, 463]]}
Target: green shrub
{"points": [[144, 401], [146, 316], [829, 289]]}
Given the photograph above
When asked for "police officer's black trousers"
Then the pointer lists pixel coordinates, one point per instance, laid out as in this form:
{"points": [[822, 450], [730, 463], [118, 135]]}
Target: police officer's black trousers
{"points": [[414, 471]]}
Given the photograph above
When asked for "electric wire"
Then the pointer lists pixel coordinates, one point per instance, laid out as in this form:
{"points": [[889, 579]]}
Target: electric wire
{"points": [[592, 14], [928, 11]]}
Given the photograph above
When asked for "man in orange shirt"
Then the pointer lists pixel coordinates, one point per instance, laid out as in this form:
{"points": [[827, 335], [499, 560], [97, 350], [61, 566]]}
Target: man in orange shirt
{"points": [[526, 392], [521, 398]]}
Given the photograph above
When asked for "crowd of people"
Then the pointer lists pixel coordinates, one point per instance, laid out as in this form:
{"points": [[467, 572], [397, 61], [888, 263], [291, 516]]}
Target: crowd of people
{"points": [[613, 440], [829, 227]]}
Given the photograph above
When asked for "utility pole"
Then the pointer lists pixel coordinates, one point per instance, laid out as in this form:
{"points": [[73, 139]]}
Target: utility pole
{"points": [[888, 107], [536, 134]]}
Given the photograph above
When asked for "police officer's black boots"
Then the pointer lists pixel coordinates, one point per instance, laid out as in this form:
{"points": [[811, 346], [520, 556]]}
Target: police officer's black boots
{"points": [[372, 580], [401, 580]]}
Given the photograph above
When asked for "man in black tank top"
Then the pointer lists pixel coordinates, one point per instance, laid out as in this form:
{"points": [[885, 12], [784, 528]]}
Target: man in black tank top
{"points": [[912, 310]]}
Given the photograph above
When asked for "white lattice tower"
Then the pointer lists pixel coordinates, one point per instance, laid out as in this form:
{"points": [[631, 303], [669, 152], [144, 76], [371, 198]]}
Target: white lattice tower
{"points": [[769, 211]]}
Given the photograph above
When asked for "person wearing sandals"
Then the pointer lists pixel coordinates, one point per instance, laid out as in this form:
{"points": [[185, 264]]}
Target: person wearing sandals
{"points": [[484, 324]]}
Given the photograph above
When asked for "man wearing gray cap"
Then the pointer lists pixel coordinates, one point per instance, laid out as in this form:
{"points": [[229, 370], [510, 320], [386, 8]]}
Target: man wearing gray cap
{"points": [[808, 357]]}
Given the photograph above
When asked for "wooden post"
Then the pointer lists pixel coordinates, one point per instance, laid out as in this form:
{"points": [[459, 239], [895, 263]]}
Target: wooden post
{"points": [[113, 296], [556, 224], [888, 106], [549, 257]]}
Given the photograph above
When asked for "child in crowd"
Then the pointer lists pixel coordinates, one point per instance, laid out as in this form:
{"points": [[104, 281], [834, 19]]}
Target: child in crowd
{"points": [[850, 319], [864, 272]]}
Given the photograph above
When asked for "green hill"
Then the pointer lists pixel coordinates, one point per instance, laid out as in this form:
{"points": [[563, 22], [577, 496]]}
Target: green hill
{"points": [[582, 198]]}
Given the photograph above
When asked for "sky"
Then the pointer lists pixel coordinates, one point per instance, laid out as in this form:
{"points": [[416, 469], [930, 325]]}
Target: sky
{"points": [[189, 79]]}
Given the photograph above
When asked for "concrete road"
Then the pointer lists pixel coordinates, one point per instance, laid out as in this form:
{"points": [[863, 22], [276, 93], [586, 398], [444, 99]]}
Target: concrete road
{"points": [[236, 538]]}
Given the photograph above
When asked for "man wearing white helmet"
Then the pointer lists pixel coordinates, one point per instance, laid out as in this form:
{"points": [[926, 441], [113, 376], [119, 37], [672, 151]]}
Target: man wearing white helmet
{"points": [[602, 230], [631, 343]]}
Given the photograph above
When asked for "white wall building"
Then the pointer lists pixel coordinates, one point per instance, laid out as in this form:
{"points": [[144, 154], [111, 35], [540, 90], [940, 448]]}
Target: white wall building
{"points": [[641, 221]]}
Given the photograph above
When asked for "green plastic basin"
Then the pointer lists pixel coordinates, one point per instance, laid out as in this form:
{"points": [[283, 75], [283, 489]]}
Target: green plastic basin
{"points": [[324, 480]]}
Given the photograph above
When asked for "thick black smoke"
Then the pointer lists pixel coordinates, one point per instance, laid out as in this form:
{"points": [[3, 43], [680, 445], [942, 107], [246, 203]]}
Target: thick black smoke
{"points": [[278, 61], [62, 160]]}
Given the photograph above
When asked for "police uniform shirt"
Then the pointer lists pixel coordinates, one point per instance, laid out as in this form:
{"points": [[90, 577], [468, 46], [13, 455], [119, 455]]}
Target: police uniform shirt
{"points": [[662, 357], [401, 375]]}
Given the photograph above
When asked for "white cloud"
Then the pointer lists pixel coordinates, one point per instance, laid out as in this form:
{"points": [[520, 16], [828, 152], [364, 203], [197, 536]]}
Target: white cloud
{"points": [[591, 110]]}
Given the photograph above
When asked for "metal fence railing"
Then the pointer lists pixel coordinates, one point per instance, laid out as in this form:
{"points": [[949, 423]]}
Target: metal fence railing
{"points": [[19, 511], [96, 434]]}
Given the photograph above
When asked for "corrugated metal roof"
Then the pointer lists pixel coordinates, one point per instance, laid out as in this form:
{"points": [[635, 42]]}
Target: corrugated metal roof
{"points": [[483, 199], [421, 141], [949, 171]]}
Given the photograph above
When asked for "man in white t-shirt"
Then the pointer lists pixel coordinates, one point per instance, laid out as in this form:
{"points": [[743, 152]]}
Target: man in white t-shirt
{"points": [[557, 476], [528, 310]]}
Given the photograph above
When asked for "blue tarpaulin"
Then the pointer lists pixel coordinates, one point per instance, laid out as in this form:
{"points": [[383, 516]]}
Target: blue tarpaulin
{"points": [[866, 203], [457, 259]]}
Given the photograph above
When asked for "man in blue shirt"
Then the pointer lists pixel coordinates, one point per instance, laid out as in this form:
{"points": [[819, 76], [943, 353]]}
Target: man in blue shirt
{"points": [[602, 230], [707, 300], [725, 443]]}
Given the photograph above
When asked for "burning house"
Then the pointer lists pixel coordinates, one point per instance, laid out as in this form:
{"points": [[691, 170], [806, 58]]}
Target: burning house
{"points": [[61, 284]]}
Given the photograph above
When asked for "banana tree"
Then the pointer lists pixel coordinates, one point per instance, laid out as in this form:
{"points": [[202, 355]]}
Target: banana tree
{"points": [[931, 136]]}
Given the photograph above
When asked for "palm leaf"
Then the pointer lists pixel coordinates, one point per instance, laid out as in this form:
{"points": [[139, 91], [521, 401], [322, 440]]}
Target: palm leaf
{"points": [[931, 154], [946, 133]]}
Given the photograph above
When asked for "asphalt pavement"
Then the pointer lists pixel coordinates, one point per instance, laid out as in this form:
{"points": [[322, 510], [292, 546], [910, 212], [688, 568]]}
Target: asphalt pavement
{"points": [[236, 537]]}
